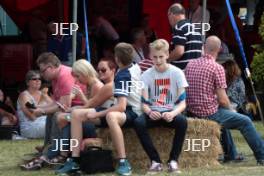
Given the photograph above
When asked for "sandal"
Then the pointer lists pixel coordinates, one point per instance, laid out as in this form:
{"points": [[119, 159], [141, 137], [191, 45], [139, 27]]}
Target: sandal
{"points": [[30, 156], [34, 164], [57, 160], [39, 148]]}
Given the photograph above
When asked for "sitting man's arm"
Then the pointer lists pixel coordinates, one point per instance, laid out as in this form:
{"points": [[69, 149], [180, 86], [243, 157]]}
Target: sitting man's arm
{"points": [[223, 99], [62, 105], [63, 100]]}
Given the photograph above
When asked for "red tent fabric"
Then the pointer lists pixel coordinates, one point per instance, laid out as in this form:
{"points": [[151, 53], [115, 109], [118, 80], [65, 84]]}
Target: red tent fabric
{"points": [[157, 10], [21, 5], [22, 11]]}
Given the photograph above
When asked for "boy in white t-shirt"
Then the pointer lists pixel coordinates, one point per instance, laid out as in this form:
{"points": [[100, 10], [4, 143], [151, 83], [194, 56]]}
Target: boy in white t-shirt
{"points": [[163, 102]]}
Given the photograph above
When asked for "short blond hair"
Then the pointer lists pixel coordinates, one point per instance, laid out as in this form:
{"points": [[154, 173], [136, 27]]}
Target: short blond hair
{"points": [[159, 44], [84, 68]]}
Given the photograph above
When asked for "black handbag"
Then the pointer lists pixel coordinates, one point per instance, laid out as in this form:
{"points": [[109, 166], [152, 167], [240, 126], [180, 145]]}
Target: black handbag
{"points": [[96, 159], [6, 132]]}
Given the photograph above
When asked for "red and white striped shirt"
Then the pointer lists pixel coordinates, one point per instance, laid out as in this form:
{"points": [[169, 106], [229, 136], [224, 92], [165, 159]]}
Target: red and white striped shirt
{"points": [[204, 76], [145, 64]]}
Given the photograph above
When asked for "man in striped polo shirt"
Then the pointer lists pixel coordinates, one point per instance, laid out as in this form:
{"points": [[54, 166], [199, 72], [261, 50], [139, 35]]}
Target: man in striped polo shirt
{"points": [[186, 39]]}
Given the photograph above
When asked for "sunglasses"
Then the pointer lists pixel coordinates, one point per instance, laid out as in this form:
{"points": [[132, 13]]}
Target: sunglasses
{"points": [[44, 70], [35, 79], [103, 70]]}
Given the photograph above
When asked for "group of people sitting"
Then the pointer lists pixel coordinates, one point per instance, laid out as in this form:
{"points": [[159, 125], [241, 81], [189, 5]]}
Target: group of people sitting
{"points": [[109, 98], [83, 98]]}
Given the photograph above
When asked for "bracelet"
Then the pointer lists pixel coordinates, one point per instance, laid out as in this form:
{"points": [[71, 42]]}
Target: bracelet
{"points": [[67, 117]]}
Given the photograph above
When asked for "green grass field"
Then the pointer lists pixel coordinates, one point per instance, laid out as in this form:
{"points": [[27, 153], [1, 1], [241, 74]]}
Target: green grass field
{"points": [[12, 152]]}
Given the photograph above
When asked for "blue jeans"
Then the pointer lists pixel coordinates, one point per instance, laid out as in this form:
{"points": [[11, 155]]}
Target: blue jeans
{"points": [[229, 148], [233, 120], [179, 123]]}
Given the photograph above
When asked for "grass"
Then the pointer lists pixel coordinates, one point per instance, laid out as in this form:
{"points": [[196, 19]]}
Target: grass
{"points": [[12, 152]]}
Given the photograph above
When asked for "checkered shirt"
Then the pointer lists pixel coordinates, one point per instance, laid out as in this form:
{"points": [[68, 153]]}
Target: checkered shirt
{"points": [[204, 76]]}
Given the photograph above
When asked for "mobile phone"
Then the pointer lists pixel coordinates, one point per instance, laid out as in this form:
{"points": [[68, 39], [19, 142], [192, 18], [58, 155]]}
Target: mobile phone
{"points": [[61, 105], [30, 105]]}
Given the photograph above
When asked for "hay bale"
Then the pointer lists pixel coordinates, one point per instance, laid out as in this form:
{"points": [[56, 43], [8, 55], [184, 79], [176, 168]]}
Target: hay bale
{"points": [[162, 139]]}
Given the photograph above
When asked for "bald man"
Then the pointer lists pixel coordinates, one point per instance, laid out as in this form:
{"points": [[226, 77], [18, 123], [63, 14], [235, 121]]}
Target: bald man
{"points": [[186, 39], [207, 97]]}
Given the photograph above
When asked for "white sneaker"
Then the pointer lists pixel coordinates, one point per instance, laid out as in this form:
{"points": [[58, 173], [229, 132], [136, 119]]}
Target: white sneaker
{"points": [[155, 168], [173, 167], [17, 137]]}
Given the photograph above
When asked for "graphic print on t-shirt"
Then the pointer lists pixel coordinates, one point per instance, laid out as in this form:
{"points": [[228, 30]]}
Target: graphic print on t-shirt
{"points": [[162, 93]]}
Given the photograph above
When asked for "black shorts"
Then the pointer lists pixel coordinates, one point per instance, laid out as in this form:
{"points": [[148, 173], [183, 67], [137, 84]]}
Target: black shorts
{"points": [[130, 117]]}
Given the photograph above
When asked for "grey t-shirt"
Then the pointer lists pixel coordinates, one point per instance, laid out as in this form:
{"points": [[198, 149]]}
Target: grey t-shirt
{"points": [[163, 87]]}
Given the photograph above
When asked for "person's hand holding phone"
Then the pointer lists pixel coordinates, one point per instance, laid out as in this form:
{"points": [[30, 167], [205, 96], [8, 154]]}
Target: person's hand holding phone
{"points": [[30, 106], [76, 91]]}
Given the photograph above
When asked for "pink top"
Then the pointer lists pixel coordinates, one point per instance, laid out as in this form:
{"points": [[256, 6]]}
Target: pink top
{"points": [[204, 76], [62, 86]]}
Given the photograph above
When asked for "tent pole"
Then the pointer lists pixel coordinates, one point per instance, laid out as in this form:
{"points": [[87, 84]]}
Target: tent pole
{"points": [[244, 59], [203, 19], [86, 32]]}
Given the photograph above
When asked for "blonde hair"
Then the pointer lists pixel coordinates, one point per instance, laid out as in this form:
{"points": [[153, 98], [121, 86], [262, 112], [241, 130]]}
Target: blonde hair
{"points": [[84, 68], [159, 44]]}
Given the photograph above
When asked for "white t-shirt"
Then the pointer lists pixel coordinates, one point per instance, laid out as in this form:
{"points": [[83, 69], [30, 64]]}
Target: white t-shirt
{"points": [[163, 87]]}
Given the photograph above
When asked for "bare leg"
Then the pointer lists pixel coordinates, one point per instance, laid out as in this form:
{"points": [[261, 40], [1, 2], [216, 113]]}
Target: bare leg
{"points": [[61, 121], [78, 116], [115, 120]]}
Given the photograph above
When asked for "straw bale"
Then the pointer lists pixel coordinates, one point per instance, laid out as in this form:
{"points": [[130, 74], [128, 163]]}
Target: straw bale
{"points": [[162, 139]]}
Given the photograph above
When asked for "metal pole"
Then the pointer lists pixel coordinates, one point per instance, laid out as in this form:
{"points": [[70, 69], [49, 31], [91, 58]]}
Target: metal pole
{"points": [[86, 32], [74, 36], [244, 59], [203, 19]]}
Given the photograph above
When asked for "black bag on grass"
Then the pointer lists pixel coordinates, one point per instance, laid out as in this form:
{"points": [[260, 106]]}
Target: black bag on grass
{"points": [[6, 132], [95, 159]]}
